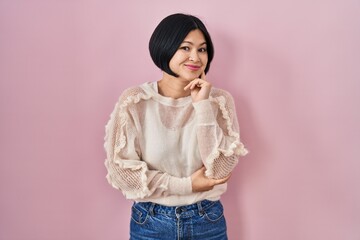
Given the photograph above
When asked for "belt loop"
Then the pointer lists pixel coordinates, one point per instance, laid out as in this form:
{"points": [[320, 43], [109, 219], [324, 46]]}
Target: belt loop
{"points": [[201, 210], [151, 209]]}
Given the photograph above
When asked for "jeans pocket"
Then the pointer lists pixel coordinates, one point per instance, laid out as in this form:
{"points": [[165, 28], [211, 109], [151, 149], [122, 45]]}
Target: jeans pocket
{"points": [[139, 214], [215, 212]]}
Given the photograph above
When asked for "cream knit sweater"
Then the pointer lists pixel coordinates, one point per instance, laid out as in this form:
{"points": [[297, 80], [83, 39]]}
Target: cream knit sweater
{"points": [[154, 143]]}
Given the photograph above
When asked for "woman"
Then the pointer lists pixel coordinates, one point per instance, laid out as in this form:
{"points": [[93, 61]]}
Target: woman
{"points": [[172, 144]]}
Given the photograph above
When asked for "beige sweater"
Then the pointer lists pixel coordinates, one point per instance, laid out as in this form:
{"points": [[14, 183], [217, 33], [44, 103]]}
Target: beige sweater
{"points": [[154, 144]]}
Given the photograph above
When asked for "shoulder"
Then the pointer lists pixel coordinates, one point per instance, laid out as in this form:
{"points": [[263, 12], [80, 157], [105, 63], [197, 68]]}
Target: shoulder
{"points": [[133, 95], [219, 94], [130, 92], [224, 101]]}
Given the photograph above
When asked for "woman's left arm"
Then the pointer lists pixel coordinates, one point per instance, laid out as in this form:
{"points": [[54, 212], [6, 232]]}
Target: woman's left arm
{"points": [[218, 135], [218, 132]]}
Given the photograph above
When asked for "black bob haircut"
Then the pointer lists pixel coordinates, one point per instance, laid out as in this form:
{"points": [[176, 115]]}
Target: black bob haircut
{"points": [[168, 36]]}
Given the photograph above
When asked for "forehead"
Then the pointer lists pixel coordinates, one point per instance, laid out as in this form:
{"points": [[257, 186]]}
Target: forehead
{"points": [[195, 36]]}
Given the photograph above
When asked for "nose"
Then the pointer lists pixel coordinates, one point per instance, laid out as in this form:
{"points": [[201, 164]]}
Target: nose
{"points": [[194, 56]]}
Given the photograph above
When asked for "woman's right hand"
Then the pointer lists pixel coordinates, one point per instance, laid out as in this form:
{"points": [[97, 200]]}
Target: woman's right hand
{"points": [[201, 183]]}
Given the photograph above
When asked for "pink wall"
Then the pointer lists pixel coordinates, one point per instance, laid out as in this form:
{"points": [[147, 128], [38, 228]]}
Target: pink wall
{"points": [[293, 69]]}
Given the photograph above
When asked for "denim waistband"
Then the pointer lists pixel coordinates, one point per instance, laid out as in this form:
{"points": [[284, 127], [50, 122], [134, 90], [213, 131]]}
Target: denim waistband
{"points": [[192, 209]]}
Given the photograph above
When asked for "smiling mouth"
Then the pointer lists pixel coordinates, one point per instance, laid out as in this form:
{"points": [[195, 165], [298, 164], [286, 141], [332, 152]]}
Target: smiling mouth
{"points": [[192, 67]]}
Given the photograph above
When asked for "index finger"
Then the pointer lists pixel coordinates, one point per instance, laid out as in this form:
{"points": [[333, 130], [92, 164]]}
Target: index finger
{"points": [[223, 180]]}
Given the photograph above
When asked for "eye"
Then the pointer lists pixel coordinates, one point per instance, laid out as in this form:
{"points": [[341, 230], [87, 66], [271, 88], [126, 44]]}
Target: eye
{"points": [[202, 50], [185, 48]]}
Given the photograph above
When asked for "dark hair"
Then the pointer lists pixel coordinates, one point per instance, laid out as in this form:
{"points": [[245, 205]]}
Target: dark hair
{"points": [[168, 36]]}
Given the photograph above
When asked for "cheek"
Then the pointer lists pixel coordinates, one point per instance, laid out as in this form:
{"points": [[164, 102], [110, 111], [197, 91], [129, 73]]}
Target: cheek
{"points": [[204, 60], [176, 59], [172, 63]]}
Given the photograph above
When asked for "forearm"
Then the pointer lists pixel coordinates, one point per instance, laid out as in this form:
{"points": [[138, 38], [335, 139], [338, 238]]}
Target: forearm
{"points": [[136, 181], [219, 147]]}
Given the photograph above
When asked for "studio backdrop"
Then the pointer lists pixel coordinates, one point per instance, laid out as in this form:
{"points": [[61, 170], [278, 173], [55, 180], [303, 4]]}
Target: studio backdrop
{"points": [[292, 67]]}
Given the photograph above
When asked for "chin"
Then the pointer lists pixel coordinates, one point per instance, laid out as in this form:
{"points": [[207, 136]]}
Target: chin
{"points": [[189, 77]]}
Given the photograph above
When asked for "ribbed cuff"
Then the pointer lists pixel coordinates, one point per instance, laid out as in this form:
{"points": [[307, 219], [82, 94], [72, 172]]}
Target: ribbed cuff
{"points": [[204, 112], [180, 186]]}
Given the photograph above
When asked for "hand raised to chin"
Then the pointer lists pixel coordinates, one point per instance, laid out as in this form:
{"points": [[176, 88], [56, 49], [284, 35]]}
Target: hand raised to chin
{"points": [[199, 88]]}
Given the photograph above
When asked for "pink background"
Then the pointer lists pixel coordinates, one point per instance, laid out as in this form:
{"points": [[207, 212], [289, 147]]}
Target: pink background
{"points": [[293, 69]]}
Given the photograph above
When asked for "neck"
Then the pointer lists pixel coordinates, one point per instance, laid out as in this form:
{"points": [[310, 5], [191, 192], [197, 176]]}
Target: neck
{"points": [[170, 86]]}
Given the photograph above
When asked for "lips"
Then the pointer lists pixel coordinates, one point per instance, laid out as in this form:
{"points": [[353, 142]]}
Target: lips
{"points": [[192, 67]]}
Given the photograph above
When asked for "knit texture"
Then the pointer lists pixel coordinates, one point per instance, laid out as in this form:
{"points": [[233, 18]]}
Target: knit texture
{"points": [[154, 143]]}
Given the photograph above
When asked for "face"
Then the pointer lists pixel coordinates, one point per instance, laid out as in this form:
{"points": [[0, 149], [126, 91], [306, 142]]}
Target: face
{"points": [[190, 60]]}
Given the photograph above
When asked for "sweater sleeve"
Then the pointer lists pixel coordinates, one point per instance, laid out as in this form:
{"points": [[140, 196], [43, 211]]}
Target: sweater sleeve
{"points": [[218, 135], [125, 169]]}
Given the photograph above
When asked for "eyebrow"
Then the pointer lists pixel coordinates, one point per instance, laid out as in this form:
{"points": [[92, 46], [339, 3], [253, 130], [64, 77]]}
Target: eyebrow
{"points": [[193, 43]]}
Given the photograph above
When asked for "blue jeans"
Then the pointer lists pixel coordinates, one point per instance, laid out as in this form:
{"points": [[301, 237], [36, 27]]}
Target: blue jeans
{"points": [[202, 220]]}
